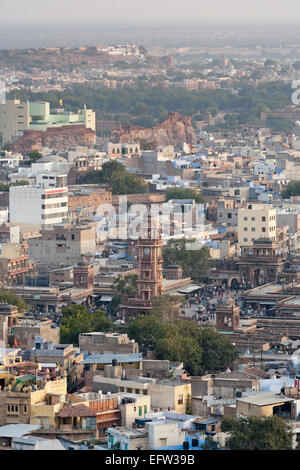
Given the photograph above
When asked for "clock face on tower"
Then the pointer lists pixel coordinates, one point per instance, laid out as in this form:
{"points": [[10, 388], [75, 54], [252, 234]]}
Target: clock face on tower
{"points": [[146, 251]]}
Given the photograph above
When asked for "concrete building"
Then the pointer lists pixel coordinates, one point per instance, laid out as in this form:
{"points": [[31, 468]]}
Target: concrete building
{"points": [[14, 120], [53, 166], [117, 150], [133, 406], [16, 402], [164, 434], [256, 221], [165, 395], [106, 407], [127, 439], [16, 117], [37, 206], [113, 342], [227, 212], [14, 263], [27, 330], [68, 357], [62, 245]]}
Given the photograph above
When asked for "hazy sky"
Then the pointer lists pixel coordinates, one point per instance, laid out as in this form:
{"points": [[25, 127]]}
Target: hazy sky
{"points": [[32, 11]]}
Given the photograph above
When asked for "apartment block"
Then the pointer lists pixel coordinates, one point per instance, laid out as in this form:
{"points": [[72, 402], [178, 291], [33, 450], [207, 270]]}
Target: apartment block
{"points": [[37, 206], [256, 221], [62, 244]]}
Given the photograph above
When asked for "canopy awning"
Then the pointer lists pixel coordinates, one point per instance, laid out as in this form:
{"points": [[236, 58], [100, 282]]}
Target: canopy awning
{"points": [[106, 298]]}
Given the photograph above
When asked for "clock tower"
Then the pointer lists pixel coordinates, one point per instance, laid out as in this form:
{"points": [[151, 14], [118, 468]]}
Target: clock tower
{"points": [[150, 264], [150, 270]]}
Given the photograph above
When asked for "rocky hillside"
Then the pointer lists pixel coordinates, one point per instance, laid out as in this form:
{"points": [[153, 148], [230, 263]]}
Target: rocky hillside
{"points": [[56, 138], [175, 129]]}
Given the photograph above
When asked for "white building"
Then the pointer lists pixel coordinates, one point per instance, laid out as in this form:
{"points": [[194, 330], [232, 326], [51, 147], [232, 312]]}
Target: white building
{"points": [[3, 216], [32, 205], [49, 164]]}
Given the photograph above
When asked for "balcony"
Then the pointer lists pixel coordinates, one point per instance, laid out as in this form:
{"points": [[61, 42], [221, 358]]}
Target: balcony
{"points": [[261, 259]]}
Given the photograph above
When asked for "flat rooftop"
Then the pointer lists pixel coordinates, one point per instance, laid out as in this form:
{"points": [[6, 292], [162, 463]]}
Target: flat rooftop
{"points": [[265, 398], [108, 358], [266, 289]]}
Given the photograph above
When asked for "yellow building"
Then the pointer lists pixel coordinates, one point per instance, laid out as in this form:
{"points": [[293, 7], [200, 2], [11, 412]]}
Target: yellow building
{"points": [[256, 221]]}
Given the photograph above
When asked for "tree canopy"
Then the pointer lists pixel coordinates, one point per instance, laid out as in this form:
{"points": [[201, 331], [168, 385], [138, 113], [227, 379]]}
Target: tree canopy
{"points": [[183, 193], [258, 433], [5, 187], [292, 189], [115, 175], [194, 263], [12, 299], [180, 340], [124, 286], [140, 104], [77, 319]]}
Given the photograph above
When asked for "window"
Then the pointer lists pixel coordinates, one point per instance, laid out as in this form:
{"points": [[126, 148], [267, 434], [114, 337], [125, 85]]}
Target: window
{"points": [[145, 409], [180, 400], [263, 229], [263, 219], [140, 411], [245, 229], [245, 239], [245, 218], [253, 229], [253, 219]]}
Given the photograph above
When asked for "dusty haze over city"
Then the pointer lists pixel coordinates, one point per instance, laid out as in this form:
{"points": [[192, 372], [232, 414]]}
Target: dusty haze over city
{"points": [[57, 11]]}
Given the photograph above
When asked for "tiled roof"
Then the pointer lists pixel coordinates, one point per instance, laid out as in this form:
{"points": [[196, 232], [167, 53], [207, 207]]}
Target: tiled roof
{"points": [[76, 410]]}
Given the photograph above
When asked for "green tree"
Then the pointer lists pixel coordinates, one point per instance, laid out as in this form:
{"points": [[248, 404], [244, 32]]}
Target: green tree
{"points": [[188, 406], [210, 444], [167, 307], [34, 156], [5, 187], [194, 263], [183, 193], [182, 341], [146, 330], [279, 124], [258, 433], [115, 175], [12, 299], [127, 183], [109, 169], [292, 189], [124, 286], [77, 319]]}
